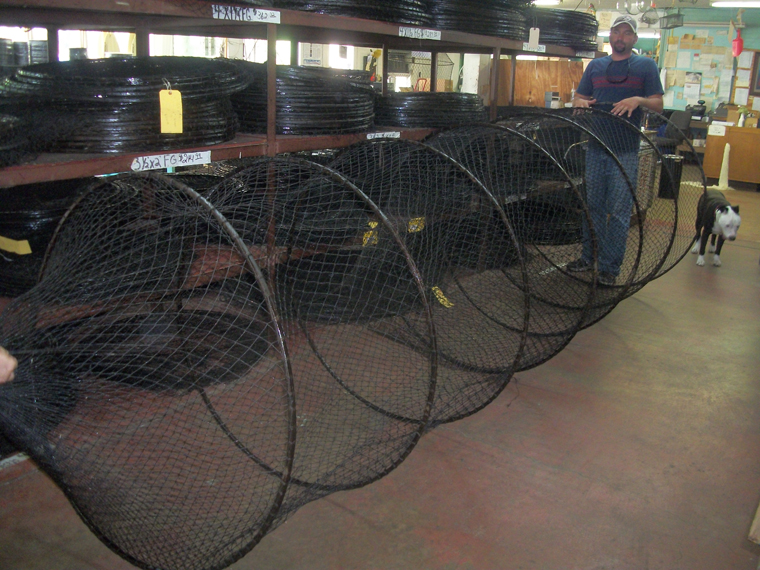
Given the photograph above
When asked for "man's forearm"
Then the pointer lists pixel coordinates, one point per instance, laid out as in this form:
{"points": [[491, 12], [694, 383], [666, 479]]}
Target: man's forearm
{"points": [[653, 103]]}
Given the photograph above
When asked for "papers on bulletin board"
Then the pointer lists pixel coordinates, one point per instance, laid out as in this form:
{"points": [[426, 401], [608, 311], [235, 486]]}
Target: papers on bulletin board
{"points": [[691, 91], [669, 98], [670, 58], [745, 59], [756, 104], [742, 77], [664, 76], [702, 33], [684, 60], [741, 96]]}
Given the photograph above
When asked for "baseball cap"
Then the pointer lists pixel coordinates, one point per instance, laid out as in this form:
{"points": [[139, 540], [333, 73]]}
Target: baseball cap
{"points": [[625, 19]]}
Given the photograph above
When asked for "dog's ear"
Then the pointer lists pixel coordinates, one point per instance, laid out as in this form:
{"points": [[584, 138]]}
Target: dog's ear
{"points": [[735, 209]]}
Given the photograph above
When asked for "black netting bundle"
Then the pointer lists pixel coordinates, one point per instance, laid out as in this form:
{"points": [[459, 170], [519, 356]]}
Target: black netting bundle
{"points": [[414, 12], [502, 18], [310, 101], [564, 27], [204, 353], [29, 215], [116, 101], [429, 110]]}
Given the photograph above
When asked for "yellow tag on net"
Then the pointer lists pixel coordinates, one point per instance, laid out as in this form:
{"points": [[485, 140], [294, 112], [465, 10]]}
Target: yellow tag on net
{"points": [[442, 298], [171, 110], [13, 246], [370, 237], [415, 225]]}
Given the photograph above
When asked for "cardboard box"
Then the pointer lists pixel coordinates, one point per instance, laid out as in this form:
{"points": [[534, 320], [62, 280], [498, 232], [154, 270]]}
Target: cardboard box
{"points": [[732, 116], [751, 122]]}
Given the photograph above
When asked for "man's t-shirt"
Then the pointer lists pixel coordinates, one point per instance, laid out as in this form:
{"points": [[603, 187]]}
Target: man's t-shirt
{"points": [[610, 81]]}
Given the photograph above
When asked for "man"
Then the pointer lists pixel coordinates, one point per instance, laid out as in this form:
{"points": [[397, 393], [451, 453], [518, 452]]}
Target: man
{"points": [[7, 366], [625, 83]]}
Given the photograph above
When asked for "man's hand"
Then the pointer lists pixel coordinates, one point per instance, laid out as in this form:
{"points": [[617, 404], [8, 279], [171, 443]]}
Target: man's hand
{"points": [[626, 106], [7, 366], [581, 102]]}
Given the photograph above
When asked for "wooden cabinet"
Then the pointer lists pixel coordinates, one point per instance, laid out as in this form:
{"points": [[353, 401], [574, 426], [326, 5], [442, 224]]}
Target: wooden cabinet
{"points": [[744, 158], [196, 17]]}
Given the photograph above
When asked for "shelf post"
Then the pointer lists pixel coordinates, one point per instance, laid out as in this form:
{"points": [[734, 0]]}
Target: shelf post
{"points": [[493, 94], [386, 75], [142, 42], [433, 71], [52, 44], [271, 89]]}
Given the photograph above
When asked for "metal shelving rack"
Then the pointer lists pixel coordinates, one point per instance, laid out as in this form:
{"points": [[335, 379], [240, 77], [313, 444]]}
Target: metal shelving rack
{"points": [[195, 17]]}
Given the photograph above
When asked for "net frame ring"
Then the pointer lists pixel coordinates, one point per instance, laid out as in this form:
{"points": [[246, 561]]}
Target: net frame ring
{"points": [[226, 231], [325, 483]]}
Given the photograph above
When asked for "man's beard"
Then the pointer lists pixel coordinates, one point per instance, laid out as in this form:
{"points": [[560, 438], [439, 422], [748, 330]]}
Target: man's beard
{"points": [[620, 49]]}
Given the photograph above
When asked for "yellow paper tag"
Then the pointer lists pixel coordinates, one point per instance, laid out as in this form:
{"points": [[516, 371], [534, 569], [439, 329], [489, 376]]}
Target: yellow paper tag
{"points": [[442, 298], [370, 237], [415, 225], [18, 247], [171, 110]]}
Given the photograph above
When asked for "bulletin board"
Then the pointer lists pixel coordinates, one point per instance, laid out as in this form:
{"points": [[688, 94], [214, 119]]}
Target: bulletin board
{"points": [[747, 84], [698, 64]]}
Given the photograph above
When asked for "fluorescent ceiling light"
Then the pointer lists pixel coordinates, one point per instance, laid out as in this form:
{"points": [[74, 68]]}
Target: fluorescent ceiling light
{"points": [[735, 4], [546, 3], [650, 35]]}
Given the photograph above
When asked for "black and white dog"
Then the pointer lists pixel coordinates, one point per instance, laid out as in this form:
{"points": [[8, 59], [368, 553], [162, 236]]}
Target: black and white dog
{"points": [[715, 218]]}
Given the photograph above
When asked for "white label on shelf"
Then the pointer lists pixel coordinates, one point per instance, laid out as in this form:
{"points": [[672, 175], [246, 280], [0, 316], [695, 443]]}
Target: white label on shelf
{"points": [[586, 54], [716, 130], [239, 14], [391, 135], [161, 161], [540, 48], [419, 33]]}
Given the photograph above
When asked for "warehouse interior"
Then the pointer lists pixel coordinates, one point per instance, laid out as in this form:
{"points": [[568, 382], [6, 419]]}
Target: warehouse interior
{"points": [[323, 316]]}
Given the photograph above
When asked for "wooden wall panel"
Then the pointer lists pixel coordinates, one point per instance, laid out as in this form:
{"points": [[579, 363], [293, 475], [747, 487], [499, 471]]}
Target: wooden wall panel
{"points": [[534, 77]]}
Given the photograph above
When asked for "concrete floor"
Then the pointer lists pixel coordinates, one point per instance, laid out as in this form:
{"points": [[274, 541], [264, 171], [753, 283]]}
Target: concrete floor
{"points": [[637, 447]]}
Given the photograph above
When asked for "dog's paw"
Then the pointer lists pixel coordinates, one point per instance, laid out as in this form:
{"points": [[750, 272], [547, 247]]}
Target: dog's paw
{"points": [[695, 249], [711, 248], [716, 261], [701, 260]]}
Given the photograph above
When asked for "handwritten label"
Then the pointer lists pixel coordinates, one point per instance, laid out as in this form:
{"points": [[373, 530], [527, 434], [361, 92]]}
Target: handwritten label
{"points": [[586, 54], [539, 48], [171, 111], [533, 38], [392, 135], [239, 14], [419, 33], [716, 130], [161, 161]]}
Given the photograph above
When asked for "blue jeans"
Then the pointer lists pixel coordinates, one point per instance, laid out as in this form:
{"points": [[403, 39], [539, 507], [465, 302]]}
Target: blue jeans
{"points": [[609, 199]]}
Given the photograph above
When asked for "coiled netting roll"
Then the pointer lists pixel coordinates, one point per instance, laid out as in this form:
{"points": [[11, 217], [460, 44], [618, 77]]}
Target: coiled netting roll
{"points": [[197, 364]]}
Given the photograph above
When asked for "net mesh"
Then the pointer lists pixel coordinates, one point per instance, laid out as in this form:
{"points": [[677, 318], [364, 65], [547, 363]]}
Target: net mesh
{"points": [[203, 353]]}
